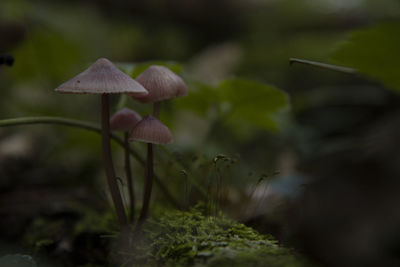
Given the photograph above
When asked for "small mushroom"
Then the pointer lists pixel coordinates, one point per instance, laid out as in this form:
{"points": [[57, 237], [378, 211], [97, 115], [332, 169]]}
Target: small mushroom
{"points": [[104, 78], [125, 120], [151, 131]]}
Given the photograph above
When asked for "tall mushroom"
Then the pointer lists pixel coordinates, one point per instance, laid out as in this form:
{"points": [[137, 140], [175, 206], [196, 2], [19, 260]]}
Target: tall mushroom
{"points": [[151, 131], [125, 120], [102, 77]]}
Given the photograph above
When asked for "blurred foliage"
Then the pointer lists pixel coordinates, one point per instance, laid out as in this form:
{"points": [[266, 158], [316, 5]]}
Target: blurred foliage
{"points": [[373, 52], [42, 233], [46, 232], [45, 49], [96, 222]]}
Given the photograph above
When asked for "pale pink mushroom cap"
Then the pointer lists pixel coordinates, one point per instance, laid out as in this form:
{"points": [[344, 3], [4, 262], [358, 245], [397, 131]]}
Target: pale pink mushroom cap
{"points": [[161, 83], [151, 130], [124, 120], [102, 77]]}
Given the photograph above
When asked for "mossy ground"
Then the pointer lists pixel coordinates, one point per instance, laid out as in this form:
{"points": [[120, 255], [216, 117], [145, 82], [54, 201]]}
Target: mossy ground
{"points": [[193, 239]]}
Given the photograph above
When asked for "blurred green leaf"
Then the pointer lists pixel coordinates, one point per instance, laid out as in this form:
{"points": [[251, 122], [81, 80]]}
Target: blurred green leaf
{"points": [[253, 102], [239, 100], [17, 260], [374, 52], [200, 99]]}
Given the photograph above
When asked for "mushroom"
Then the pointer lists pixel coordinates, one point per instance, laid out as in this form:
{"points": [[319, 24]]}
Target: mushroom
{"points": [[162, 84], [151, 131], [102, 77], [125, 120]]}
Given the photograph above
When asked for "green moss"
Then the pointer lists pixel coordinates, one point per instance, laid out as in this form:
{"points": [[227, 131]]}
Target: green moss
{"points": [[192, 239]]}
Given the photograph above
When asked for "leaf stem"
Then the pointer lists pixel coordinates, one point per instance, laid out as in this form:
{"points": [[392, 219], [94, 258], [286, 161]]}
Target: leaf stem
{"points": [[323, 65]]}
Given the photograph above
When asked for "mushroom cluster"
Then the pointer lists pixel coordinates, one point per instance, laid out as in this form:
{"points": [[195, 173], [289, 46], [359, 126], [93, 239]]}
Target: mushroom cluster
{"points": [[155, 84]]}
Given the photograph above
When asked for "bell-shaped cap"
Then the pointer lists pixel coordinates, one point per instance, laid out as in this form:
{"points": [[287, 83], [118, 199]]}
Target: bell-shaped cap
{"points": [[102, 77], [161, 83], [151, 130], [124, 120]]}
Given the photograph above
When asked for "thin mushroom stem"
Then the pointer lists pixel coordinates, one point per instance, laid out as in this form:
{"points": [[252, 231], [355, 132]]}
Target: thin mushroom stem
{"points": [[129, 179], [108, 164], [148, 185], [149, 173], [89, 127]]}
